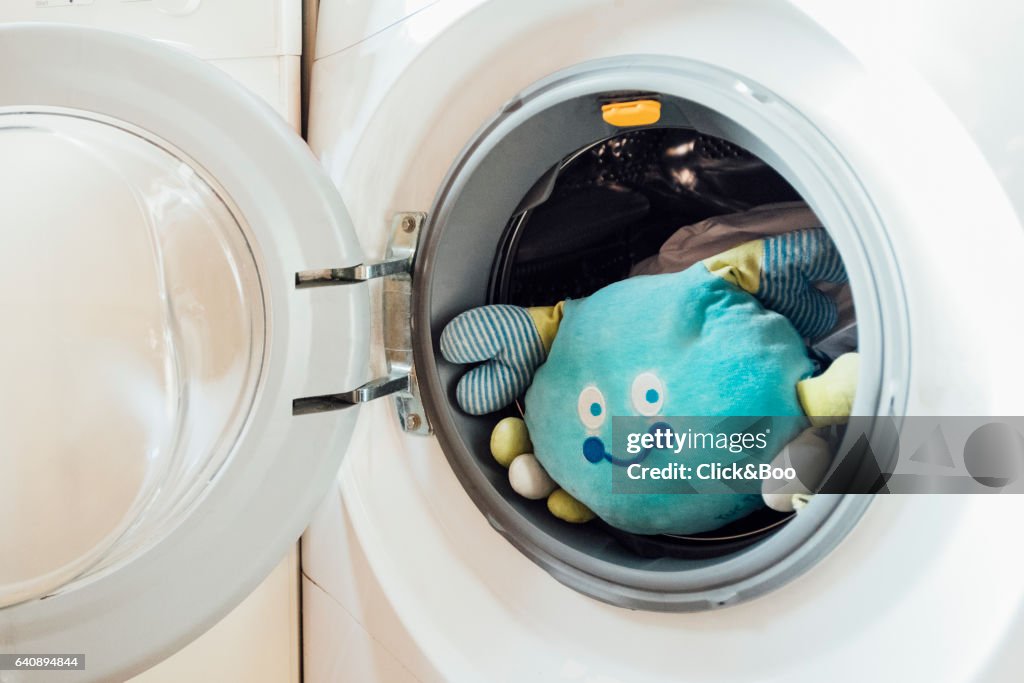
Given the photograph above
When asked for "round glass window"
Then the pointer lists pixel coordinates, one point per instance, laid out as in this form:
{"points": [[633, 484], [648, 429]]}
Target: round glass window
{"points": [[132, 345]]}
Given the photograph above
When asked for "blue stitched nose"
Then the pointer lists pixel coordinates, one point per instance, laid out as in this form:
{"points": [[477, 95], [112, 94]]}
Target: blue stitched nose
{"points": [[594, 452], [593, 449]]}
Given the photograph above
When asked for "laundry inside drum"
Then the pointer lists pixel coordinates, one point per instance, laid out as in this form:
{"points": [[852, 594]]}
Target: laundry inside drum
{"points": [[132, 343], [651, 202]]}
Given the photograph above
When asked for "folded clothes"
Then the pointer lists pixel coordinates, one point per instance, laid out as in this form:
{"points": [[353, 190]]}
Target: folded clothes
{"points": [[694, 243]]}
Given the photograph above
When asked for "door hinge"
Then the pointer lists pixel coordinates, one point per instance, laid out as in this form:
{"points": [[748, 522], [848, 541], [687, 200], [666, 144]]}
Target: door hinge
{"points": [[395, 271]]}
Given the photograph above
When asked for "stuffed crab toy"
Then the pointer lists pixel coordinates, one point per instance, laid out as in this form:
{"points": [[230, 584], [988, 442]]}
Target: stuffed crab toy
{"points": [[725, 337]]}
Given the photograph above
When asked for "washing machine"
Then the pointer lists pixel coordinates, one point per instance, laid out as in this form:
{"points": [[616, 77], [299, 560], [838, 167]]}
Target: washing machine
{"points": [[236, 301], [891, 120]]}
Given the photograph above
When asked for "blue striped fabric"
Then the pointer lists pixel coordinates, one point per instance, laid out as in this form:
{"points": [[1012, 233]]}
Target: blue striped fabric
{"points": [[506, 338], [792, 263]]}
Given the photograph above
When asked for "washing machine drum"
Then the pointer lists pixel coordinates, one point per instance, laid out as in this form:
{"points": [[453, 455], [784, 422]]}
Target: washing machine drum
{"points": [[651, 201]]}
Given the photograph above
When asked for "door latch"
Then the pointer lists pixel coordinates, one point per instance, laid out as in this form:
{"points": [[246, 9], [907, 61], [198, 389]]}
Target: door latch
{"points": [[395, 271]]}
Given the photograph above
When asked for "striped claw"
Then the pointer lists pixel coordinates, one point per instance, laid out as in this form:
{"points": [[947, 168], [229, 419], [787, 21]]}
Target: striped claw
{"points": [[506, 343]]}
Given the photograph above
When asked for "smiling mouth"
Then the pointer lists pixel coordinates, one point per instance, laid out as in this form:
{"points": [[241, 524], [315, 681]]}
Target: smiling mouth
{"points": [[594, 450]]}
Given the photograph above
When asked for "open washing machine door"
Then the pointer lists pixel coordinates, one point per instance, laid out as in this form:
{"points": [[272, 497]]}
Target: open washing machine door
{"points": [[166, 364]]}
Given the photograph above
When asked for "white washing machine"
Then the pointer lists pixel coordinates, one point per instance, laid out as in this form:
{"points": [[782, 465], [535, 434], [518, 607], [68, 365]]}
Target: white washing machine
{"points": [[253, 333], [891, 119]]}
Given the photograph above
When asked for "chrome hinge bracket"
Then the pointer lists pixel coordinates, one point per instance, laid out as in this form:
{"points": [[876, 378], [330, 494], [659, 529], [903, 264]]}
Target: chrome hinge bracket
{"points": [[395, 270], [370, 270]]}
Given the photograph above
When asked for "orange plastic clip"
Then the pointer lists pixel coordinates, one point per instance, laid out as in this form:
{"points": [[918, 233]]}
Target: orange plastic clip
{"points": [[635, 113]]}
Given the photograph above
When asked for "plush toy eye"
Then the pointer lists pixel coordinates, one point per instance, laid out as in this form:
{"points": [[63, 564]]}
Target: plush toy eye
{"points": [[648, 393], [591, 407]]}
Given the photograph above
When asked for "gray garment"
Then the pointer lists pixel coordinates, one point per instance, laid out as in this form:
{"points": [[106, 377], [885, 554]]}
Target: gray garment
{"points": [[693, 243]]}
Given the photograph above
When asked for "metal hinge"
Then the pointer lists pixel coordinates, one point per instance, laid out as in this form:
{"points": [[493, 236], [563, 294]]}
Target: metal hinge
{"points": [[395, 269]]}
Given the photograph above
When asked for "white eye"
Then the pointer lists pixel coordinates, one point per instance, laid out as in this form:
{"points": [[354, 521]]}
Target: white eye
{"points": [[648, 393], [591, 407]]}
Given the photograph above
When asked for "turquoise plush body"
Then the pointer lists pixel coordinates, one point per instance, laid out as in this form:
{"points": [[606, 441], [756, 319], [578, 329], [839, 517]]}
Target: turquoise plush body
{"points": [[715, 343], [715, 350]]}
